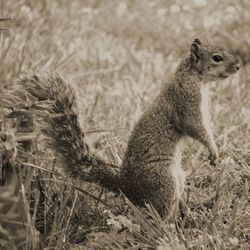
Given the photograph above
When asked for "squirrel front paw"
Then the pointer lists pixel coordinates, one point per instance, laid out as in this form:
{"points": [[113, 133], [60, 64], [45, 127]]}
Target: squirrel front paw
{"points": [[213, 156]]}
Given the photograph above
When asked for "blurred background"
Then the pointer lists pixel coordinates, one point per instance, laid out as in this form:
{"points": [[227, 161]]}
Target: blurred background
{"points": [[117, 54], [122, 51]]}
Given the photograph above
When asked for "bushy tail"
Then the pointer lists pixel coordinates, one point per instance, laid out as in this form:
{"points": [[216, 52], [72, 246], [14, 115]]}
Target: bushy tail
{"points": [[62, 128]]}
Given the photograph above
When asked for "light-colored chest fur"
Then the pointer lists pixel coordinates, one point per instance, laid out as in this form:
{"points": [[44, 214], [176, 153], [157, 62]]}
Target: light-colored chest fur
{"points": [[204, 108]]}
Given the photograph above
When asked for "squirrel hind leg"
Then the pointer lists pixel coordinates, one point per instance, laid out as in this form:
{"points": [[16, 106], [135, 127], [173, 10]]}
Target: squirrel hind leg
{"points": [[163, 199]]}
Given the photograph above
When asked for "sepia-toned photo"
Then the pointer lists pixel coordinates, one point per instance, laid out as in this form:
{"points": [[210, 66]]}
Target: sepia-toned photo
{"points": [[125, 124]]}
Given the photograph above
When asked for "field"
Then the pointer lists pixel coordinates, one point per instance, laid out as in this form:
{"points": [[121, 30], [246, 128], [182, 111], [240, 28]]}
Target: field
{"points": [[117, 55]]}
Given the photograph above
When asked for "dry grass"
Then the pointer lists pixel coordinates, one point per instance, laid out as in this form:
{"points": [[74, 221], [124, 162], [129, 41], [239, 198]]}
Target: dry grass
{"points": [[117, 55]]}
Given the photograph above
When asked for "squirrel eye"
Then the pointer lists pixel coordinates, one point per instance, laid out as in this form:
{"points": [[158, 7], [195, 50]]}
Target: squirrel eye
{"points": [[217, 58]]}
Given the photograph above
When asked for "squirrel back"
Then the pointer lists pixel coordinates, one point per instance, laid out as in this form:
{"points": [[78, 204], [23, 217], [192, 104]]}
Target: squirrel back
{"points": [[151, 170]]}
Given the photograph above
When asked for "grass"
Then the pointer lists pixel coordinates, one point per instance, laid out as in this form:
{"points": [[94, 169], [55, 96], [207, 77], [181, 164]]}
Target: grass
{"points": [[117, 55]]}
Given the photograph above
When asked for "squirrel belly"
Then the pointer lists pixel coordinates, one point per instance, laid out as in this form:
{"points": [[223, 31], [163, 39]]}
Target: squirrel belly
{"points": [[206, 119], [176, 170], [151, 170]]}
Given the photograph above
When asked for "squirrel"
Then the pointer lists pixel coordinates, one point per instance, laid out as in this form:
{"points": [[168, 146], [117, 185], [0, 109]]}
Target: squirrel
{"points": [[151, 169]]}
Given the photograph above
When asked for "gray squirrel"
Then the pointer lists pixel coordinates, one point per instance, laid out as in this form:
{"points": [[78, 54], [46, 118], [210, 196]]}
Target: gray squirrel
{"points": [[151, 169]]}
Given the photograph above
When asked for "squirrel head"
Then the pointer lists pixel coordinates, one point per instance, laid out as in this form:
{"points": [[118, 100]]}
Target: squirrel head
{"points": [[212, 62]]}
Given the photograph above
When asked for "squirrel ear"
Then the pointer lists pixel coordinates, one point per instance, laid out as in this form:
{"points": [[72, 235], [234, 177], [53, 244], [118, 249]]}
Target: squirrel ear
{"points": [[197, 40], [196, 50]]}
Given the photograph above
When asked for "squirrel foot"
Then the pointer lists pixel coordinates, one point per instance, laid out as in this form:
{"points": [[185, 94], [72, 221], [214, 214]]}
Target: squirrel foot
{"points": [[213, 156]]}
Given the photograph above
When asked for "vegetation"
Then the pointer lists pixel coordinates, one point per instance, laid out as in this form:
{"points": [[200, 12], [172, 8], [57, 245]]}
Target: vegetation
{"points": [[117, 55]]}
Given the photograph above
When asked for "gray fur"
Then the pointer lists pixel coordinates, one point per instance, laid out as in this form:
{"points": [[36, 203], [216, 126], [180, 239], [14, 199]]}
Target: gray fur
{"points": [[145, 175]]}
